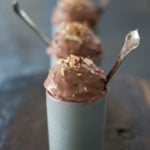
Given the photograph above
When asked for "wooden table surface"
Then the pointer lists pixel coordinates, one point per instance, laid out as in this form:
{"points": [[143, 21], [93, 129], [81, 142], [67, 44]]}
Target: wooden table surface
{"points": [[23, 114]]}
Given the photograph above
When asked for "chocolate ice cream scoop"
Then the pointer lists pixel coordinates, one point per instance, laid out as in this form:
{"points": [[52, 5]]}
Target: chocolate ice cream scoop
{"points": [[76, 79], [76, 10], [77, 39]]}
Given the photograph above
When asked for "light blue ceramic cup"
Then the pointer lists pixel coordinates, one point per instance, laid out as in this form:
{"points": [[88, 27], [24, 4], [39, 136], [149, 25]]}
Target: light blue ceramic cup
{"points": [[75, 125]]}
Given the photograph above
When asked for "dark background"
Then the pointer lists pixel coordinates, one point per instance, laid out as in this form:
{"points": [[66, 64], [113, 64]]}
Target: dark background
{"points": [[22, 53]]}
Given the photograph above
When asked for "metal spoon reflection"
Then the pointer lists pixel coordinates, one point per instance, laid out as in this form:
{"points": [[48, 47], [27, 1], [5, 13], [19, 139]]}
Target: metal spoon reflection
{"points": [[23, 15], [132, 41]]}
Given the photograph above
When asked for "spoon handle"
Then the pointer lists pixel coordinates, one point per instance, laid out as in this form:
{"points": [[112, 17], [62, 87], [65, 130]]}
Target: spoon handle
{"points": [[23, 15]]}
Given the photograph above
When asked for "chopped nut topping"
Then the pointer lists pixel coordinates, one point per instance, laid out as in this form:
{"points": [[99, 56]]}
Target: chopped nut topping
{"points": [[79, 74], [73, 38], [78, 62], [60, 61], [75, 31], [87, 61], [72, 62], [62, 72], [85, 89]]}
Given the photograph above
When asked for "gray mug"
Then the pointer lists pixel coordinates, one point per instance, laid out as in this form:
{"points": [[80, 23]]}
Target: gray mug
{"points": [[75, 125]]}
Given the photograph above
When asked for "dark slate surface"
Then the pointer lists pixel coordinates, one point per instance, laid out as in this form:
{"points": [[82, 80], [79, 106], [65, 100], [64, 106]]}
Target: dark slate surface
{"points": [[22, 53]]}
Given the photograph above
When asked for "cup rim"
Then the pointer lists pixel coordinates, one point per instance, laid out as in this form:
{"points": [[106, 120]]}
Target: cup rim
{"points": [[73, 102]]}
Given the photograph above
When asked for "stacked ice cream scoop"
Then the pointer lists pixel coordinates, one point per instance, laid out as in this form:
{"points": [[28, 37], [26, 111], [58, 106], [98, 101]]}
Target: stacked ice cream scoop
{"points": [[75, 85], [74, 38]]}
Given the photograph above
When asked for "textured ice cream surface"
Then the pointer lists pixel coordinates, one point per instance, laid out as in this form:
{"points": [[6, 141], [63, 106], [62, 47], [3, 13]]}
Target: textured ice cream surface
{"points": [[75, 10], [77, 39], [76, 79]]}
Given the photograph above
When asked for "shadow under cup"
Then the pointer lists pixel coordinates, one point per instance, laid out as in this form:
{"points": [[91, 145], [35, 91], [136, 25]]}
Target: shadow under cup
{"points": [[75, 126]]}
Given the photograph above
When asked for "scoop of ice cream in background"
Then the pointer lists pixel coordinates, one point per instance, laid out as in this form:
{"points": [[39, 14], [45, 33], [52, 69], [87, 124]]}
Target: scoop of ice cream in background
{"points": [[76, 10], [76, 79], [77, 39]]}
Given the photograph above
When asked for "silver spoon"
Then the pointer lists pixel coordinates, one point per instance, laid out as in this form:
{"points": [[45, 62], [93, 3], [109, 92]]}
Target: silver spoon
{"points": [[23, 15], [132, 41]]}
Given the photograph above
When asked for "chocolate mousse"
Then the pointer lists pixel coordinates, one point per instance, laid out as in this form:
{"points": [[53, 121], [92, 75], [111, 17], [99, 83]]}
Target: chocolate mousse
{"points": [[76, 10], [76, 79], [77, 39]]}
